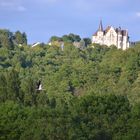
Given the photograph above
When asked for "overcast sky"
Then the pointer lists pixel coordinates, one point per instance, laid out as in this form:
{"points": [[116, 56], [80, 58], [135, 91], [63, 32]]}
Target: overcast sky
{"points": [[41, 19]]}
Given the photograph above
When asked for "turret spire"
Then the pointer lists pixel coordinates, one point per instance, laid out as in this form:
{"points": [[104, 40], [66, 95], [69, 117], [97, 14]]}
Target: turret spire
{"points": [[100, 26]]}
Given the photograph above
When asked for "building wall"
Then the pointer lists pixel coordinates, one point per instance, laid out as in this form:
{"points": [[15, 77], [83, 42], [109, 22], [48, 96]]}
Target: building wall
{"points": [[110, 37], [99, 39]]}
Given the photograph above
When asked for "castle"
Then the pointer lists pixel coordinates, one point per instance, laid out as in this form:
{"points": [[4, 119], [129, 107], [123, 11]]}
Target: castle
{"points": [[111, 36]]}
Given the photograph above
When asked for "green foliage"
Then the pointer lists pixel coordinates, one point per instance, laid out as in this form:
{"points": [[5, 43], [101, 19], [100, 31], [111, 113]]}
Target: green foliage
{"points": [[20, 38], [90, 93], [55, 38], [6, 39], [66, 38], [87, 41], [71, 38], [100, 117]]}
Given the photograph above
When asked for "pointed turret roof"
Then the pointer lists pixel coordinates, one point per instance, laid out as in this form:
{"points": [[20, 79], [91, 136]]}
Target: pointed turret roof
{"points": [[99, 29], [100, 26]]}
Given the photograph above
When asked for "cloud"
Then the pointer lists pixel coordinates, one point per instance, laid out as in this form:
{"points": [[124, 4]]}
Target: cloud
{"points": [[42, 2], [96, 5], [78, 5], [83, 5], [12, 5], [7, 3], [21, 8], [138, 14], [51, 1]]}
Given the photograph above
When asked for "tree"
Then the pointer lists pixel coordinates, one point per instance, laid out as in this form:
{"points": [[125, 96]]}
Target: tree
{"points": [[20, 38], [71, 38], [75, 38], [6, 39], [28, 88], [3, 88], [24, 36], [12, 117], [13, 85], [55, 38], [87, 41]]}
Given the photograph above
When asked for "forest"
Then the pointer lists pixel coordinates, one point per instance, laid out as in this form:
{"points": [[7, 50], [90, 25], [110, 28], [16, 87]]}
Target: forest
{"points": [[91, 93]]}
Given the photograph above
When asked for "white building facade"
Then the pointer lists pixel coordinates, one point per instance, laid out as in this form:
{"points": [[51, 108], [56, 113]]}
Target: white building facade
{"points": [[111, 36]]}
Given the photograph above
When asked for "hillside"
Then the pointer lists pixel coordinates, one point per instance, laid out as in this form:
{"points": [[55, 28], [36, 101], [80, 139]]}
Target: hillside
{"points": [[90, 93]]}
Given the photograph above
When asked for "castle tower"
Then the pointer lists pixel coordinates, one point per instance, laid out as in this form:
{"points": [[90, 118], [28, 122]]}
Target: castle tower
{"points": [[100, 31], [100, 26], [98, 35], [125, 41], [119, 38]]}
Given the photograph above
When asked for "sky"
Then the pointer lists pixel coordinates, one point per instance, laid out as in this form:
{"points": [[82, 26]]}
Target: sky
{"points": [[41, 19]]}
